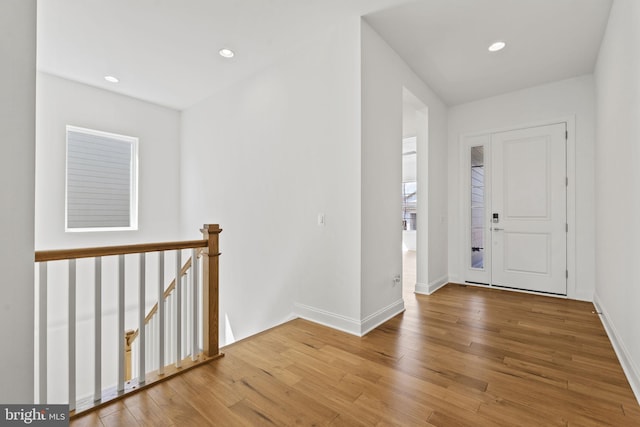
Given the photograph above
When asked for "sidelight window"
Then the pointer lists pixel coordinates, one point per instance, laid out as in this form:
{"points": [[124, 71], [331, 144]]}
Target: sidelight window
{"points": [[477, 207]]}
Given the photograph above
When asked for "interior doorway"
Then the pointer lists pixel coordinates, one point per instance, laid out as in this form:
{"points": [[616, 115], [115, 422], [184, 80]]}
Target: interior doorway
{"points": [[414, 194], [409, 211]]}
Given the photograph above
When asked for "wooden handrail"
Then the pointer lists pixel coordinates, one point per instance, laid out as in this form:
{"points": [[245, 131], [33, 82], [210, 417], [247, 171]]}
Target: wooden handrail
{"points": [[167, 292], [61, 254]]}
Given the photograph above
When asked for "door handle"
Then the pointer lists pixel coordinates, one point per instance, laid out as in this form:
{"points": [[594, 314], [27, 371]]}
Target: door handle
{"points": [[497, 229]]}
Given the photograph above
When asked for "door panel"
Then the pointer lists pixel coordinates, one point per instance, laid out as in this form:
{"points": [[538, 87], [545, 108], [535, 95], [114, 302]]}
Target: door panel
{"points": [[529, 196], [525, 175], [518, 248]]}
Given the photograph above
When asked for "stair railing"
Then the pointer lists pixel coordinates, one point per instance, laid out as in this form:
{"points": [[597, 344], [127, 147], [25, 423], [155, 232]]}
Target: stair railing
{"points": [[204, 346]]}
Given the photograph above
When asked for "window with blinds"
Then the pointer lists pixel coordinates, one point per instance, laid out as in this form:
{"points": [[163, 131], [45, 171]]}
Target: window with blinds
{"points": [[101, 181]]}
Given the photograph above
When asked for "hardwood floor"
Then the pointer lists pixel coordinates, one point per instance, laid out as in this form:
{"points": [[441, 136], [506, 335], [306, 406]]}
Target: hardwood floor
{"points": [[465, 356]]}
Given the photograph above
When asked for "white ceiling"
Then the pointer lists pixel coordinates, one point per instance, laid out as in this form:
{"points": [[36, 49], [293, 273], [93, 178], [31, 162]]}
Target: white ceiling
{"points": [[445, 42], [165, 51]]}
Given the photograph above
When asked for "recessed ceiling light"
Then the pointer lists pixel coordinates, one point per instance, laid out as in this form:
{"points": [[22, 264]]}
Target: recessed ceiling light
{"points": [[497, 46], [226, 53], [111, 79]]}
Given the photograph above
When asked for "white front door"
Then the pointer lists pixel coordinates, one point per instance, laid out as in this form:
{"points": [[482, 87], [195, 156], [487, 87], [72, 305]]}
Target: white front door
{"points": [[525, 210], [529, 199]]}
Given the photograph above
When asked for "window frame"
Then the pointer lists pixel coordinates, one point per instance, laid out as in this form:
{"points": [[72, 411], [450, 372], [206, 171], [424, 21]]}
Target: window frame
{"points": [[133, 168]]}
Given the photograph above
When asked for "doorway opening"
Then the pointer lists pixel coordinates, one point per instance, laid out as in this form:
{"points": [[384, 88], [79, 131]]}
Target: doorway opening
{"points": [[414, 191], [409, 211]]}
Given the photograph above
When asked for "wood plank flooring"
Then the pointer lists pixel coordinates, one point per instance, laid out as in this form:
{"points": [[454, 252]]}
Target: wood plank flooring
{"points": [[465, 356]]}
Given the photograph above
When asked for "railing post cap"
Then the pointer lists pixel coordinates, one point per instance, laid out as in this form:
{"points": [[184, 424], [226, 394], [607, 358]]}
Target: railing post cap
{"points": [[212, 228]]}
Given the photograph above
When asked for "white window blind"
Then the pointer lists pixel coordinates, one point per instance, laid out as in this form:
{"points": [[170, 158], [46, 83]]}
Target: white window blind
{"points": [[101, 180]]}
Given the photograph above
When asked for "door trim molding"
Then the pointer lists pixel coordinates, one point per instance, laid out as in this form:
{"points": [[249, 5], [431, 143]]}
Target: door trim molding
{"points": [[570, 120]]}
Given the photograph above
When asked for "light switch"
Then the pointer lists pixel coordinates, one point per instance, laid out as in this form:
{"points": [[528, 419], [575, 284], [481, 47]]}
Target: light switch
{"points": [[321, 220]]}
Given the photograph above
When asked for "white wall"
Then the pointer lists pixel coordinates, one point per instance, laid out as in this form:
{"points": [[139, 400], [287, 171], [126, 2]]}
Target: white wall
{"points": [[384, 75], [263, 158], [618, 184], [62, 102], [573, 97], [17, 136], [274, 151]]}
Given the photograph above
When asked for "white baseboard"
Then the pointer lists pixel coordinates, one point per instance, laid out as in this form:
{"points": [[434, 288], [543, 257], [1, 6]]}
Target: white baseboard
{"points": [[628, 366], [433, 286], [348, 324], [326, 318], [376, 319], [422, 288], [438, 283]]}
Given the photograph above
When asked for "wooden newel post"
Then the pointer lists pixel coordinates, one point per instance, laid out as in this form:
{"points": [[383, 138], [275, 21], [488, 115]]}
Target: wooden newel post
{"points": [[210, 276]]}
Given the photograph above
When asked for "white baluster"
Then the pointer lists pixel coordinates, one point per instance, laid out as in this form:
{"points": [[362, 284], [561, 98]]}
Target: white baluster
{"points": [[151, 344], [141, 315], [42, 336], [173, 327], [169, 329], [178, 292], [161, 313], [134, 354], [72, 334], [154, 349], [121, 331], [97, 329], [194, 303], [185, 315]]}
